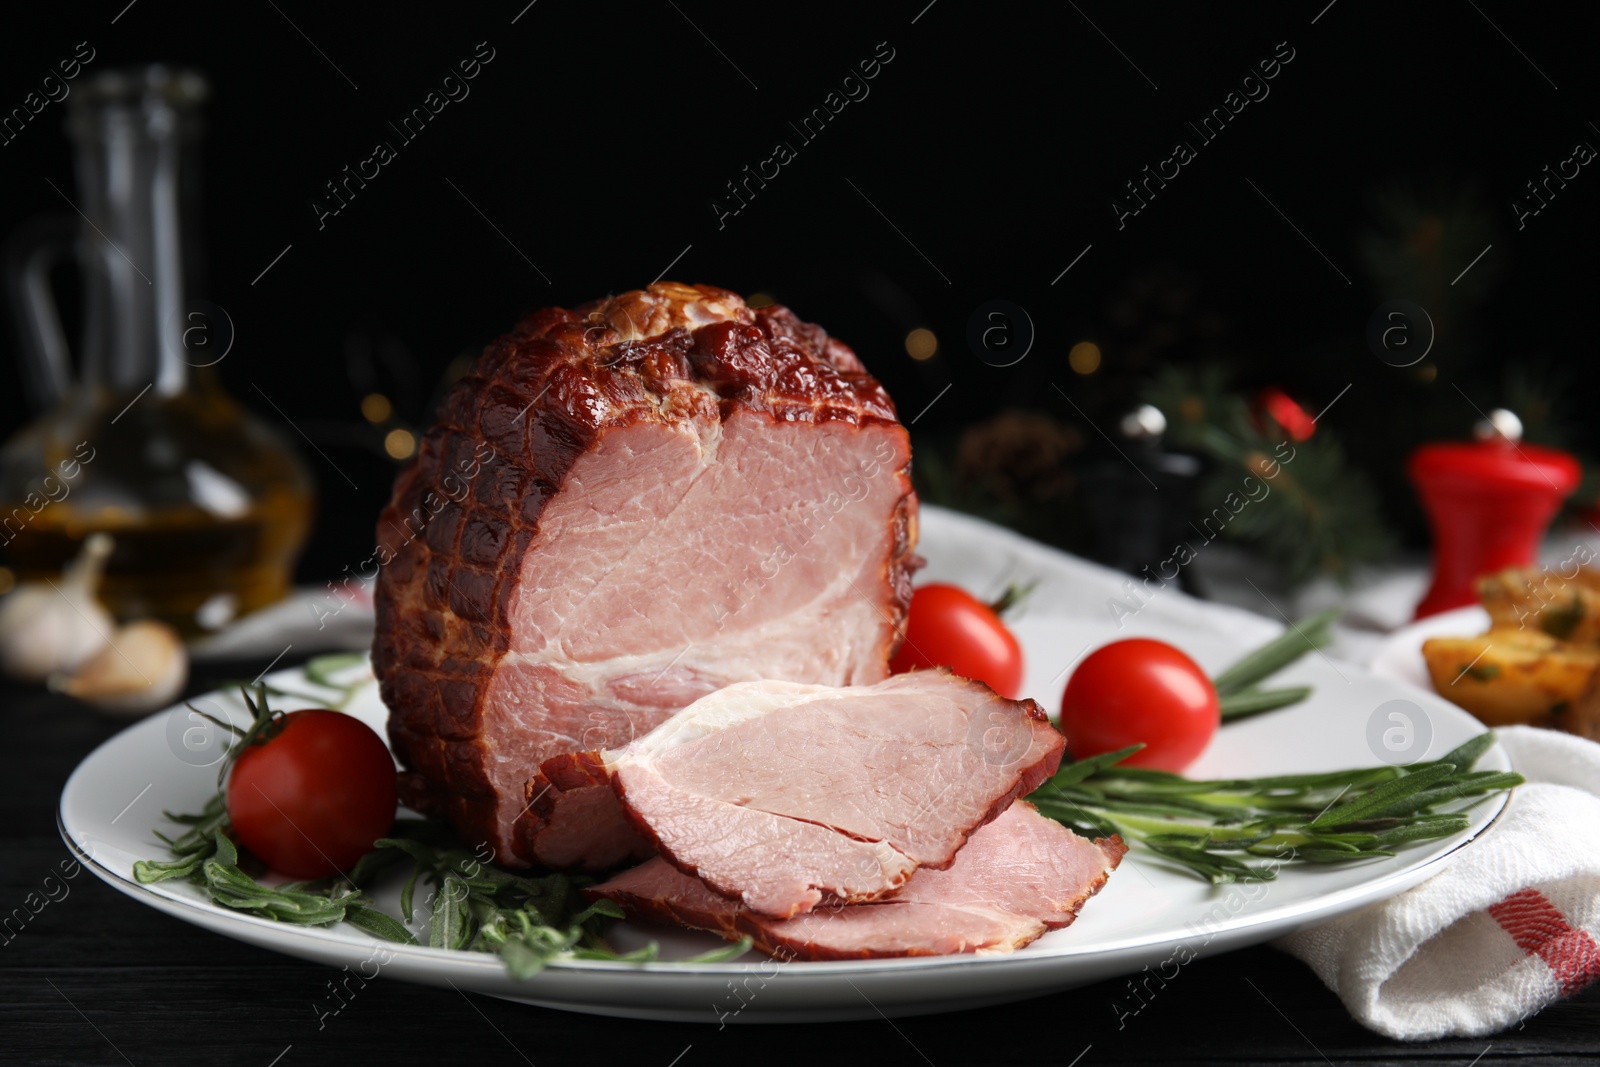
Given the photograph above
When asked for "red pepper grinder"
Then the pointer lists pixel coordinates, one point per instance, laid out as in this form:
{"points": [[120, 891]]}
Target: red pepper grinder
{"points": [[1489, 502]]}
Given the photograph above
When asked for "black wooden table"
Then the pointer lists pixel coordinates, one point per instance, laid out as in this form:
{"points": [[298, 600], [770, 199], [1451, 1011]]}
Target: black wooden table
{"points": [[95, 978]]}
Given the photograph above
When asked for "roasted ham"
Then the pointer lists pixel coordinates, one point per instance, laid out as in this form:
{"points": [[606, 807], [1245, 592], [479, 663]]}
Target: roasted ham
{"points": [[621, 509], [1017, 877], [784, 795]]}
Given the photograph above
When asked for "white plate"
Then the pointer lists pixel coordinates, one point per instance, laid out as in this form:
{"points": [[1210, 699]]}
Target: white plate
{"points": [[1400, 655], [1146, 916]]}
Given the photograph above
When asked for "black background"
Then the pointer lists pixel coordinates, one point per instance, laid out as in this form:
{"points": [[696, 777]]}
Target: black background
{"points": [[594, 143], [994, 142]]}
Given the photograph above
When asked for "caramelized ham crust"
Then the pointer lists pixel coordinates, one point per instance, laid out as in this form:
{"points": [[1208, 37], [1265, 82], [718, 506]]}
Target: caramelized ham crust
{"points": [[1017, 877], [784, 795], [621, 509]]}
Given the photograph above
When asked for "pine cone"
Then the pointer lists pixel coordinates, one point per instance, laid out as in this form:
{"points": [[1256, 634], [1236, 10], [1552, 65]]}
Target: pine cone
{"points": [[1019, 457]]}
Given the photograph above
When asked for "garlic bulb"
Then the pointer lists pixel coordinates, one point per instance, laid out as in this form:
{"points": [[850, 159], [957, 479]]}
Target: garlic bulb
{"points": [[48, 627], [143, 668]]}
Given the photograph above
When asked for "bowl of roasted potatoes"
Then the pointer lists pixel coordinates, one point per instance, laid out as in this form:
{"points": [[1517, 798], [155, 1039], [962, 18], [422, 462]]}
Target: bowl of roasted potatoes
{"points": [[1536, 663]]}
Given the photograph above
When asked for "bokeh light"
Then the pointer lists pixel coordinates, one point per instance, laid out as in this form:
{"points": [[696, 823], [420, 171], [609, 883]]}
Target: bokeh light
{"points": [[1084, 357], [921, 344], [399, 444]]}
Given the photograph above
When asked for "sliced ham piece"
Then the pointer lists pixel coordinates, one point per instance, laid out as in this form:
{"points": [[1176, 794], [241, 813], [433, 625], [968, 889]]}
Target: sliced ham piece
{"points": [[622, 508], [1017, 877], [783, 794]]}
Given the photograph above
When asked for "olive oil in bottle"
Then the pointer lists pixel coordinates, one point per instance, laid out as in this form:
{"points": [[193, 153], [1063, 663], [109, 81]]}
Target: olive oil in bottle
{"points": [[208, 508]]}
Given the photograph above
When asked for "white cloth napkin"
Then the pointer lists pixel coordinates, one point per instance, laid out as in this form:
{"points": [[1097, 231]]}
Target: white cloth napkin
{"points": [[1511, 925]]}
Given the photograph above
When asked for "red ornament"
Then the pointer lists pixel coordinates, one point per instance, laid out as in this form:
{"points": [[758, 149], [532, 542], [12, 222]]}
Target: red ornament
{"points": [[1284, 410], [1489, 503]]}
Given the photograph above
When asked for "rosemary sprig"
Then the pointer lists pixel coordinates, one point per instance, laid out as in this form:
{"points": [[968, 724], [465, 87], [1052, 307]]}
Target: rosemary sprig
{"points": [[1295, 641], [189, 849], [526, 921], [1243, 703], [206, 856], [1220, 830], [323, 671]]}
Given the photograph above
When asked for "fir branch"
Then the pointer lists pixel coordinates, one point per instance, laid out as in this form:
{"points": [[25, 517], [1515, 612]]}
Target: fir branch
{"points": [[1319, 515]]}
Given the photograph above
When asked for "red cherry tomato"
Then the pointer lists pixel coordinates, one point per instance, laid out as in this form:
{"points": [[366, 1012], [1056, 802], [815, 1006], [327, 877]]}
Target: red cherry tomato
{"points": [[312, 799], [1140, 690], [949, 627]]}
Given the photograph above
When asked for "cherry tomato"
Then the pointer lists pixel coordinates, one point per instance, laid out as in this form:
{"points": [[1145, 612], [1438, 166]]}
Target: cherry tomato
{"points": [[1140, 690], [949, 627], [312, 799]]}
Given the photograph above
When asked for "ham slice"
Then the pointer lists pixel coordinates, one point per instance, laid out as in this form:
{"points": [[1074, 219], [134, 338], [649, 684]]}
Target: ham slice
{"points": [[622, 508], [1017, 877], [784, 795]]}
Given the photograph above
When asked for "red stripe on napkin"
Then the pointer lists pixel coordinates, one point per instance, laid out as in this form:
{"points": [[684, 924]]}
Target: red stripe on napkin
{"points": [[1539, 928]]}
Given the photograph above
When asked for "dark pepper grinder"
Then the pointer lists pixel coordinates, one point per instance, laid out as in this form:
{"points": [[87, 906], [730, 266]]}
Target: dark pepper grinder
{"points": [[1138, 501], [1489, 502]]}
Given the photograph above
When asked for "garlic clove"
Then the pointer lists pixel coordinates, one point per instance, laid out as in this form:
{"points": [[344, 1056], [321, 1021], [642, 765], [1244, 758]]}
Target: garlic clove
{"points": [[49, 627], [142, 669]]}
